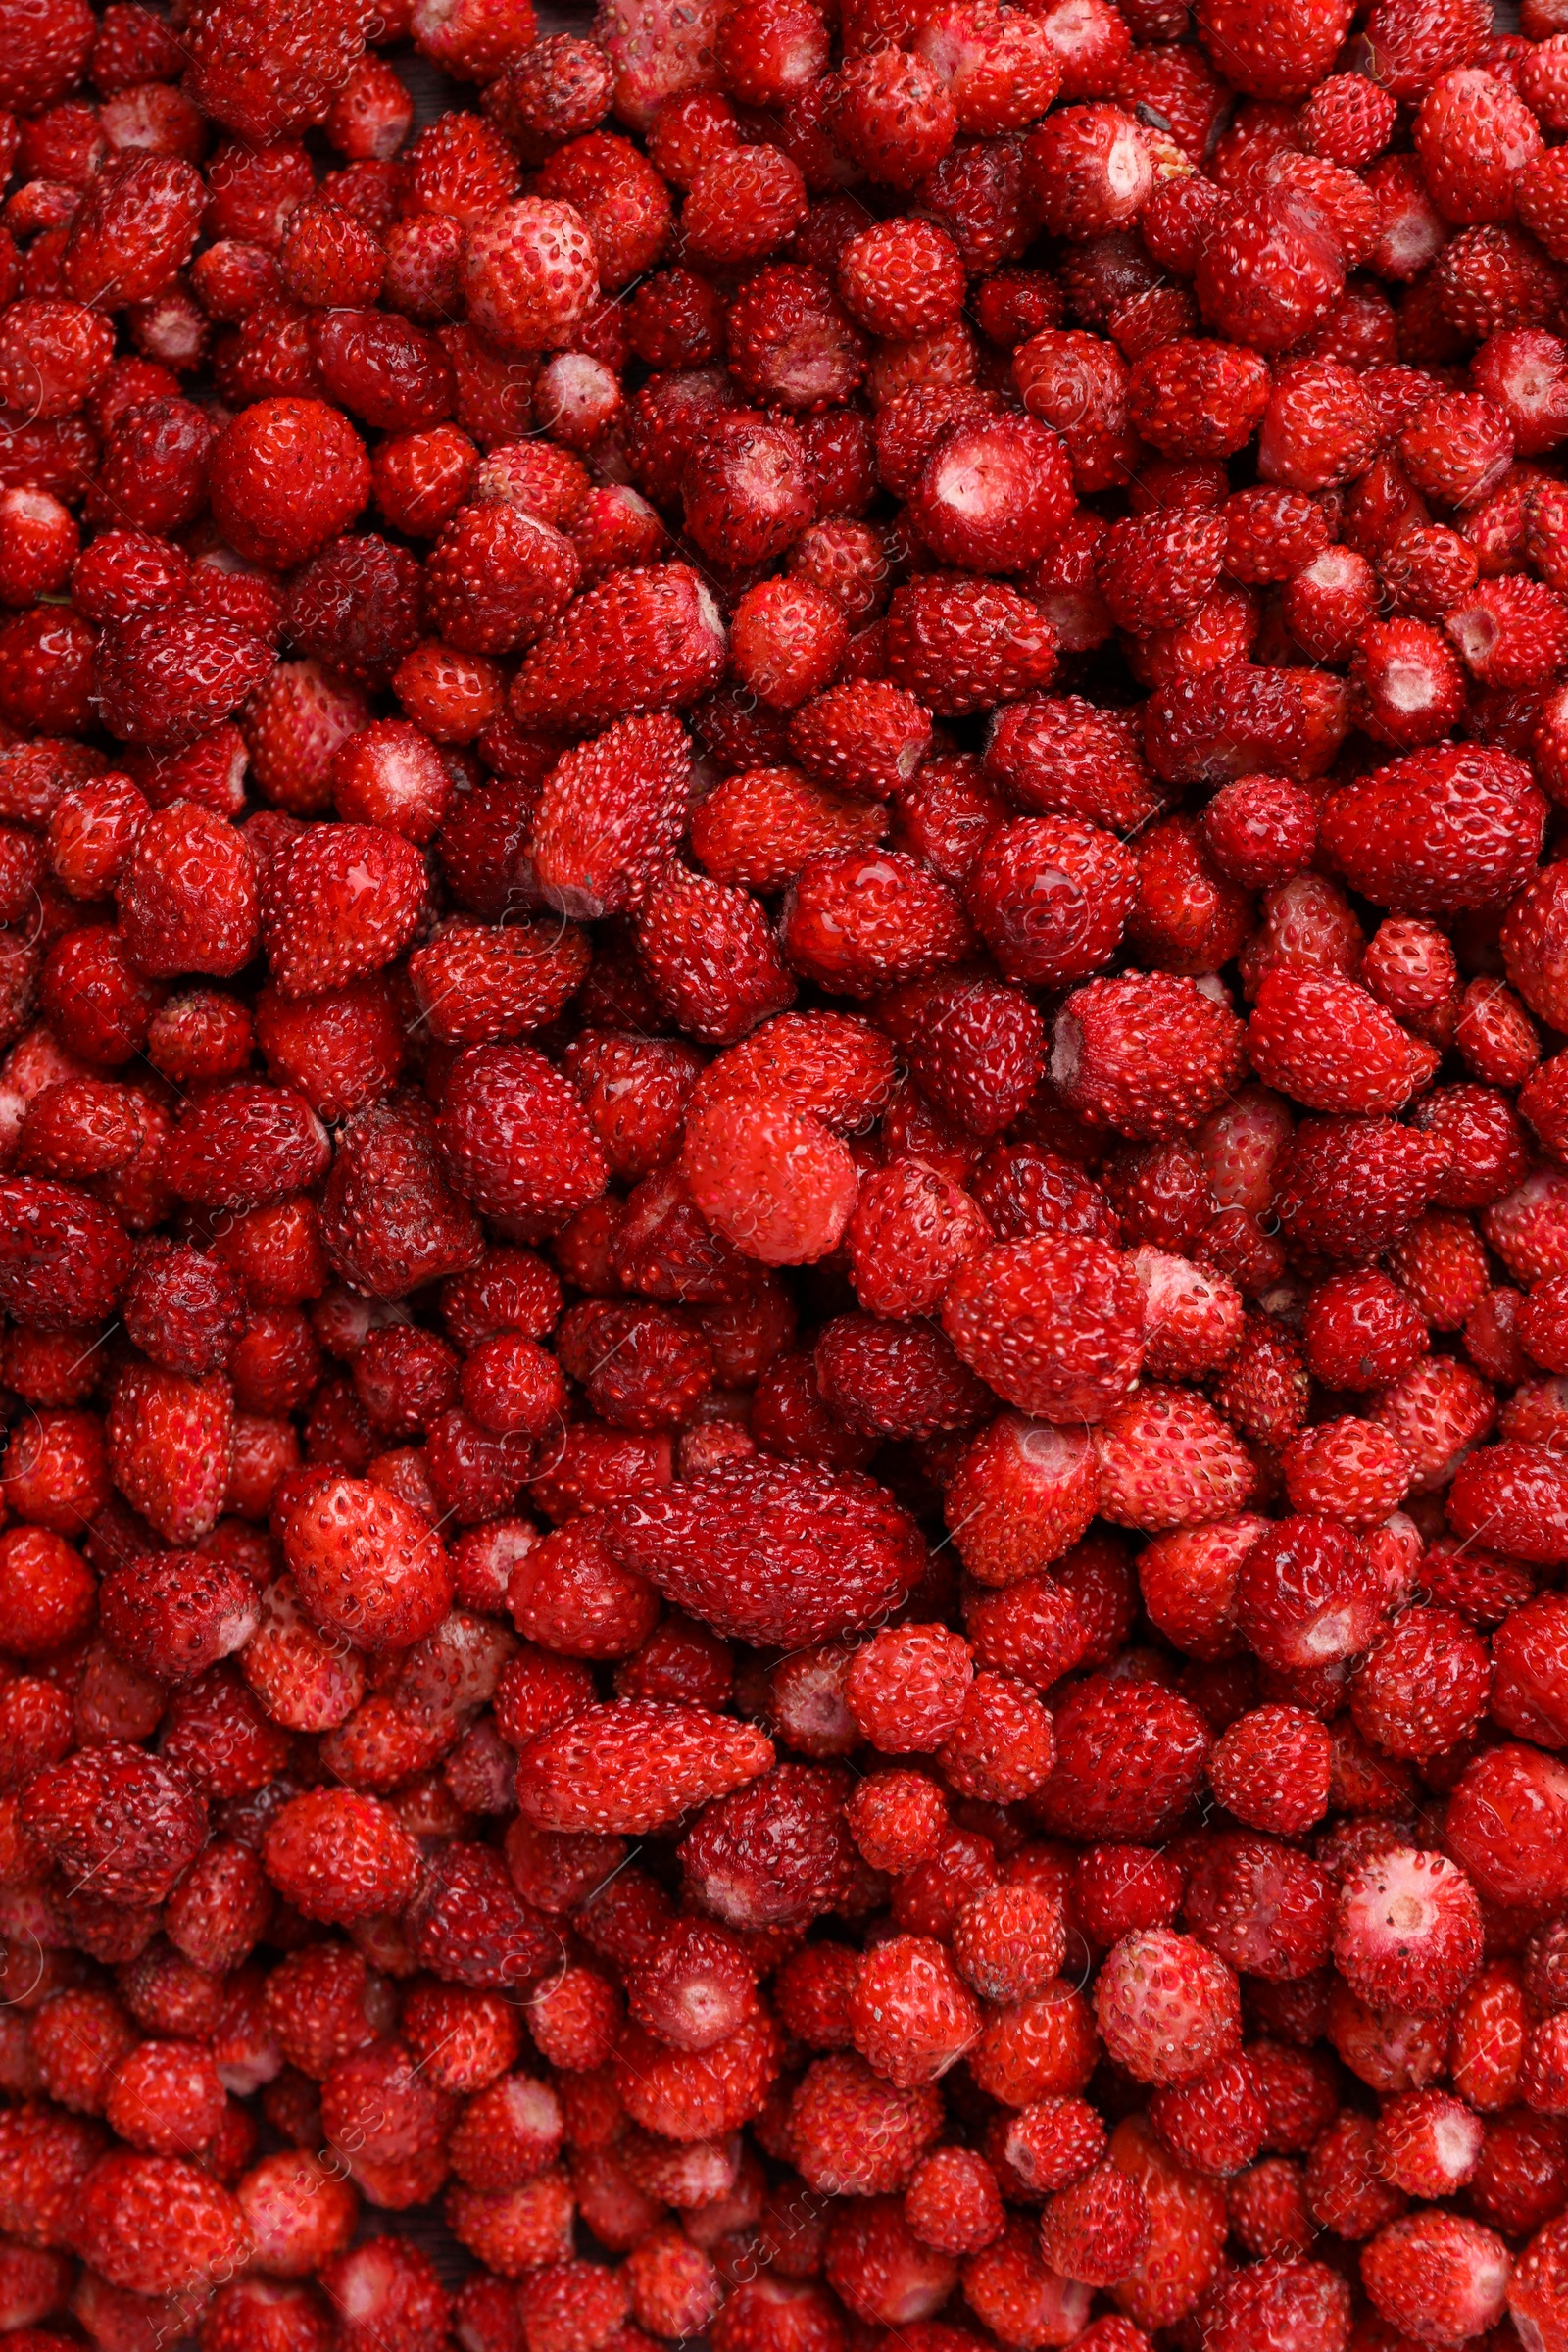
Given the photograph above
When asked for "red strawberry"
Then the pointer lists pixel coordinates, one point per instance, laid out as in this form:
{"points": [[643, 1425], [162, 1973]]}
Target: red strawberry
{"points": [[263, 71], [64, 1261], [338, 1855], [115, 1819], [497, 579], [389, 1220], [170, 1442], [1147, 1053], [1456, 827], [959, 644], [295, 725], [1129, 1759], [770, 1551], [649, 640], [167, 677], [516, 1139], [367, 1567], [1332, 1047], [1188, 2227], [1154, 570], [866, 737], [188, 894], [975, 1048], [611, 815], [1055, 1324], [286, 476], [171, 1614], [634, 1765], [1166, 1460], [711, 956], [157, 2224], [1348, 1188], [342, 900]]}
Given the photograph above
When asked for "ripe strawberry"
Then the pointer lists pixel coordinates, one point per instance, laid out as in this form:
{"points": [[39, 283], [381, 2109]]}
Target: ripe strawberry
{"points": [[640, 641], [339, 1856], [1148, 1053], [286, 476], [116, 1818], [168, 1448], [1330, 1046], [867, 737], [1167, 2008], [157, 2224], [497, 579], [1128, 1759], [633, 1765], [1452, 2271], [530, 273], [1052, 1323], [994, 495], [1271, 273], [342, 900], [173, 1614], [1349, 1188], [1063, 757], [784, 1547], [609, 816], [262, 76], [1166, 1460], [366, 1565], [961, 644], [975, 1048], [856, 922], [1281, 54], [1472, 134], [909, 1233]]}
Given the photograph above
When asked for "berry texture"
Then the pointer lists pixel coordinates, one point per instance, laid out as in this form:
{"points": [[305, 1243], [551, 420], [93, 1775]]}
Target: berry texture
{"points": [[783, 1176]]}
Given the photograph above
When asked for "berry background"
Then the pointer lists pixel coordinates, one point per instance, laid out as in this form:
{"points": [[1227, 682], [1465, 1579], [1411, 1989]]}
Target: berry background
{"points": [[433, 93], [932, 1659]]}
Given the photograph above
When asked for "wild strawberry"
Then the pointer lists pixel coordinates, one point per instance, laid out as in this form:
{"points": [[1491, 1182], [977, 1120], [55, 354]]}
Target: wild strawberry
{"points": [[168, 1449], [994, 496], [1271, 273], [1472, 134], [1455, 2272], [765, 1515], [1457, 448], [1354, 1185], [1329, 1045], [156, 2224], [962, 645], [113, 1815], [1196, 399], [633, 1765], [1148, 1053], [868, 737], [1166, 1460], [300, 2213], [1147, 1748], [646, 640], [901, 278], [1050, 898], [1166, 2007], [1409, 1930], [173, 1614], [910, 1232], [286, 476]]}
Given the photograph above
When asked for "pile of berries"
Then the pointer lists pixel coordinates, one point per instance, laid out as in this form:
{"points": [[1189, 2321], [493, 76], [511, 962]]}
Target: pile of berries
{"points": [[784, 1177]]}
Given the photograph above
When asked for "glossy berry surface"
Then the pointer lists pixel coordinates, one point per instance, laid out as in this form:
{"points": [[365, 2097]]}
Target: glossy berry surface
{"points": [[783, 1176]]}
